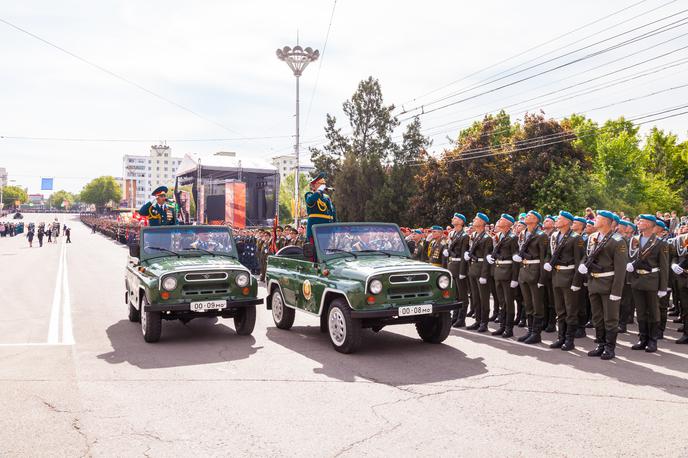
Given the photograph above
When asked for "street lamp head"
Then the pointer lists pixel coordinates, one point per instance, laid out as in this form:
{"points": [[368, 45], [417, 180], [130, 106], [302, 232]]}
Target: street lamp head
{"points": [[297, 58]]}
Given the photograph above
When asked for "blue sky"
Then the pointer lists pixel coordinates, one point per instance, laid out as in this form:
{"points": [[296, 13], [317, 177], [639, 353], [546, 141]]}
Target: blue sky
{"points": [[218, 59]]}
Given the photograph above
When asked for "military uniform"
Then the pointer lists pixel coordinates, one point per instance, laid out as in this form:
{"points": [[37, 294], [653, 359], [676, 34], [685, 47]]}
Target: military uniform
{"points": [[157, 214], [435, 249], [566, 252], [531, 256], [605, 266], [458, 266], [478, 272], [679, 267], [320, 210], [649, 273], [505, 274], [627, 307]]}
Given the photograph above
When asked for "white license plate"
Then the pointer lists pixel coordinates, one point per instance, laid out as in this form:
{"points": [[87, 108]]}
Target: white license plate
{"points": [[415, 310], [204, 306]]}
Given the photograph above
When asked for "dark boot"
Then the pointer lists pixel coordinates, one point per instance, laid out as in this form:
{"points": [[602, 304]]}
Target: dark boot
{"points": [[684, 338], [599, 333], [623, 329], [642, 336], [482, 327], [609, 345], [551, 322], [535, 335], [662, 323], [530, 329], [561, 337], [474, 326], [521, 316], [460, 321], [502, 325], [589, 325], [653, 329], [580, 332], [509, 327], [569, 338]]}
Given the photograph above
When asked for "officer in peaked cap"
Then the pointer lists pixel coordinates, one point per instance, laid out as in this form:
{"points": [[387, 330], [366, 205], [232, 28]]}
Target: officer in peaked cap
{"points": [[319, 206], [159, 211]]}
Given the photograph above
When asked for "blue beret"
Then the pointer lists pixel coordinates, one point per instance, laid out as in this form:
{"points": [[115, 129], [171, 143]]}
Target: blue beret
{"points": [[607, 214], [520, 222], [417, 231], [437, 228], [533, 212], [661, 224], [623, 222], [650, 218], [580, 219], [160, 190], [549, 217], [508, 217], [461, 217], [483, 217], [320, 176], [566, 215], [521, 216], [590, 222]]}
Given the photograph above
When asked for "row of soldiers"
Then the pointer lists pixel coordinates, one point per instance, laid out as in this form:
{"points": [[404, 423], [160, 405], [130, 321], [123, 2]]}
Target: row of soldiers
{"points": [[283, 236], [615, 267]]}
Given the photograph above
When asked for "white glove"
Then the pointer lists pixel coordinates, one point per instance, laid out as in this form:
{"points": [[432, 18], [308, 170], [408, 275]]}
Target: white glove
{"points": [[547, 267], [629, 267], [677, 269], [661, 293], [517, 258], [321, 188], [513, 284], [540, 285], [466, 256], [490, 259], [575, 288], [482, 280], [445, 253], [582, 269], [462, 277], [614, 298]]}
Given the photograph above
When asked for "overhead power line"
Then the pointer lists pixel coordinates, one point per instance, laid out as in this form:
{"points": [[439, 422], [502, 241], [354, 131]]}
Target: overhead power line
{"points": [[137, 140]]}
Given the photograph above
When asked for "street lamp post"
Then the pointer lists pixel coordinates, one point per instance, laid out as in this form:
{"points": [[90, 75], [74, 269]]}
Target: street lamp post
{"points": [[297, 58]]}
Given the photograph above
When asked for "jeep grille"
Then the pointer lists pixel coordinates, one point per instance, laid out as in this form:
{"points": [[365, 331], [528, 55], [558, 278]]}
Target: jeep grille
{"points": [[209, 288], [397, 279], [408, 292], [205, 276]]}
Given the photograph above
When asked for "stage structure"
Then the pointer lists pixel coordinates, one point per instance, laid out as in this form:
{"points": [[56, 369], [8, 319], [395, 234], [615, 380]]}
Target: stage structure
{"points": [[230, 190]]}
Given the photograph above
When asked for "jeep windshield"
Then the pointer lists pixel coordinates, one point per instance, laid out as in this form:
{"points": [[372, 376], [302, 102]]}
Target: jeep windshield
{"points": [[187, 241], [359, 239]]}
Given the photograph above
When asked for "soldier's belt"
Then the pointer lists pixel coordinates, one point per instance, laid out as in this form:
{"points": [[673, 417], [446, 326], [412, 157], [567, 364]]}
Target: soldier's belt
{"points": [[570, 267], [478, 259], [503, 263], [318, 215], [601, 274], [530, 261], [645, 272], [455, 259]]}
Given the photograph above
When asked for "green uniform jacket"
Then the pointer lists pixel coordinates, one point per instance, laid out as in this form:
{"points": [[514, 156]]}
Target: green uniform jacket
{"points": [[679, 255], [568, 257], [157, 214], [458, 245], [535, 249], [504, 269], [613, 257], [651, 264], [320, 209], [481, 247]]}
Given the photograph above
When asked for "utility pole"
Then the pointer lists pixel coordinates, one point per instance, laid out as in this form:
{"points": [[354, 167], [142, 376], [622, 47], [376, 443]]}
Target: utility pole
{"points": [[297, 59]]}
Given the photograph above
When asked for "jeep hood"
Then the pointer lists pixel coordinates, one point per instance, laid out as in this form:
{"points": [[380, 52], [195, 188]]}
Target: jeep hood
{"points": [[367, 265], [173, 264]]}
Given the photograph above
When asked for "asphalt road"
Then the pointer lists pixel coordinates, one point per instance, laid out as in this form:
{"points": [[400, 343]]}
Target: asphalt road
{"points": [[77, 379]]}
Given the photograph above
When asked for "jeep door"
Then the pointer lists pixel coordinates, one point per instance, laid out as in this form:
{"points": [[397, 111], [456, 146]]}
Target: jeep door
{"points": [[306, 282]]}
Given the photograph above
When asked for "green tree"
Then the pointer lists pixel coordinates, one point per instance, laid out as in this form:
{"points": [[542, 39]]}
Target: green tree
{"points": [[286, 197], [566, 187], [58, 198], [11, 194], [101, 191]]}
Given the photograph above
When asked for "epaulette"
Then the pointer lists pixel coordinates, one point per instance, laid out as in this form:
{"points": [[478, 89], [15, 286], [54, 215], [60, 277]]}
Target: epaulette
{"points": [[617, 237]]}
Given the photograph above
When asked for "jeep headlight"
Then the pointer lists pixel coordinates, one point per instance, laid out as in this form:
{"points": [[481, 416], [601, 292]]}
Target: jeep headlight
{"points": [[242, 279], [375, 287], [169, 283], [443, 281]]}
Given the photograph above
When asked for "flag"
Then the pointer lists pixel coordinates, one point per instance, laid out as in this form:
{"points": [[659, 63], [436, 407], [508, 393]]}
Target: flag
{"points": [[46, 184]]}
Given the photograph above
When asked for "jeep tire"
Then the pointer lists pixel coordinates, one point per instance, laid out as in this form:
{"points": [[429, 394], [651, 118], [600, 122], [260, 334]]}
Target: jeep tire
{"points": [[282, 315], [134, 315], [245, 320], [345, 332], [434, 329], [151, 323]]}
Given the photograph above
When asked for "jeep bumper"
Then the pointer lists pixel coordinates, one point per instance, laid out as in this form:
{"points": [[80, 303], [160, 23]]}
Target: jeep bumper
{"points": [[186, 306], [393, 312]]}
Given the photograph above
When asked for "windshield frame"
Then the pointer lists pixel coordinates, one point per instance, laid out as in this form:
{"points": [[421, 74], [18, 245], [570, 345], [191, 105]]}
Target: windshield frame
{"points": [[323, 256], [182, 254]]}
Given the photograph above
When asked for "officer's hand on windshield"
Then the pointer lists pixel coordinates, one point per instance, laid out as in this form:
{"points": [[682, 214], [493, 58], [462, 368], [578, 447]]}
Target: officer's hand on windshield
{"points": [[629, 267], [322, 188], [482, 280], [582, 269], [661, 293], [517, 258], [677, 269], [513, 284], [466, 256], [490, 259], [614, 298], [547, 267]]}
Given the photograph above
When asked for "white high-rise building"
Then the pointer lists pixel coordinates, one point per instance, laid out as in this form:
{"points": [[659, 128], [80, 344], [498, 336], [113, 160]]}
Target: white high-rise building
{"points": [[287, 163], [149, 172]]}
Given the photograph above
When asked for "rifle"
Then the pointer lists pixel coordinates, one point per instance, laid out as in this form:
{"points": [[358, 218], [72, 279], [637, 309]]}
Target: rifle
{"points": [[526, 244], [590, 262], [555, 256]]}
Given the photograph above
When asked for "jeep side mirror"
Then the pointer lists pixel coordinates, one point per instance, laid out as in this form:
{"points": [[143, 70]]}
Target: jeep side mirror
{"points": [[134, 250], [309, 251]]}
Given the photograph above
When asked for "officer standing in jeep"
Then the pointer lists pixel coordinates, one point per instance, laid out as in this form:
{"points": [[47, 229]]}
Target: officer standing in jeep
{"points": [[319, 206], [159, 211]]}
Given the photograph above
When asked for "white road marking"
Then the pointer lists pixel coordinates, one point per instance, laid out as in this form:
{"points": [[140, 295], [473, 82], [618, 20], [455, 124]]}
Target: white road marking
{"points": [[61, 303], [67, 335], [54, 329], [33, 344]]}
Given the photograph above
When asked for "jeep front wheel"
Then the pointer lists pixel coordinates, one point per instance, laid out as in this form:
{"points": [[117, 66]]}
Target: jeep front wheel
{"points": [[245, 320], [151, 323], [282, 315], [434, 329], [344, 331], [134, 315]]}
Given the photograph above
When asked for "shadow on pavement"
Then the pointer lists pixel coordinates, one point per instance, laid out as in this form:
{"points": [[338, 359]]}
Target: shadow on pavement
{"points": [[385, 357], [630, 370], [201, 341]]}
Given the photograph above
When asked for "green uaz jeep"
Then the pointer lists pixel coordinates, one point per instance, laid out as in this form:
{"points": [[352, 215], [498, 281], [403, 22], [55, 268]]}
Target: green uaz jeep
{"points": [[186, 272], [359, 275]]}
